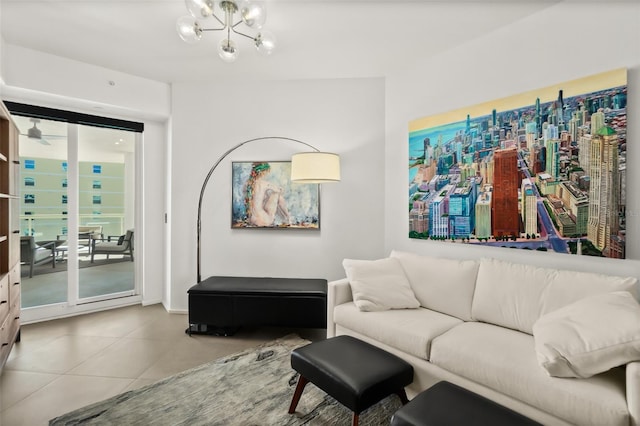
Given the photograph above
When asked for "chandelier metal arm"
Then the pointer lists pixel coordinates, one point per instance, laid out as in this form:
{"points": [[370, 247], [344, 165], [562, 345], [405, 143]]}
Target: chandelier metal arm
{"points": [[221, 22], [228, 27], [213, 29], [206, 181], [218, 19], [233, 28]]}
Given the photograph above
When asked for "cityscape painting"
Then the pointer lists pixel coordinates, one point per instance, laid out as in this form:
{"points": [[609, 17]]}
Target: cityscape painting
{"points": [[543, 170]]}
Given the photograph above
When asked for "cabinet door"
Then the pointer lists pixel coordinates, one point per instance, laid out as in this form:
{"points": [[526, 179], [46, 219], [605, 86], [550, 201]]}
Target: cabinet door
{"points": [[4, 296], [14, 287], [5, 129], [4, 234], [5, 340], [14, 161], [14, 232]]}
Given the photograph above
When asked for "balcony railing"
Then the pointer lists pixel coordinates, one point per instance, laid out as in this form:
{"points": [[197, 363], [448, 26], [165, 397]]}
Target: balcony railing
{"points": [[50, 226]]}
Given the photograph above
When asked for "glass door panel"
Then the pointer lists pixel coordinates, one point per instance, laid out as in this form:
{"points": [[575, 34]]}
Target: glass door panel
{"points": [[43, 211], [106, 236]]}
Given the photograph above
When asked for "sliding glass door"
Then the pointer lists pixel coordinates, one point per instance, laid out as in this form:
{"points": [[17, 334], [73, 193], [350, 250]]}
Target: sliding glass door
{"points": [[43, 211], [106, 232], [77, 212]]}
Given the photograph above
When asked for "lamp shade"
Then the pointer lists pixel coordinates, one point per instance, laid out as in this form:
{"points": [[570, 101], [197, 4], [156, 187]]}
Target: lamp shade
{"points": [[315, 167]]}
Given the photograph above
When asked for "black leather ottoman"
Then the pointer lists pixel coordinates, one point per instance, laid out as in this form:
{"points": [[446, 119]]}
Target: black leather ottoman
{"points": [[353, 372], [446, 404]]}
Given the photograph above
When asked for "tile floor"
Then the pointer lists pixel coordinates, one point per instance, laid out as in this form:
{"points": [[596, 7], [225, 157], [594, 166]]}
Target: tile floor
{"points": [[65, 364]]}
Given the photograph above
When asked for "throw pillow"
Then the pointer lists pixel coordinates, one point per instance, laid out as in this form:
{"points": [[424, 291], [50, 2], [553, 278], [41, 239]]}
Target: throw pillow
{"points": [[379, 285], [589, 336]]}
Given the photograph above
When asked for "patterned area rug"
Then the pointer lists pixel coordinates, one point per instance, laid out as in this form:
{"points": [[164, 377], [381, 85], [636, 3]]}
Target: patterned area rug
{"points": [[249, 388]]}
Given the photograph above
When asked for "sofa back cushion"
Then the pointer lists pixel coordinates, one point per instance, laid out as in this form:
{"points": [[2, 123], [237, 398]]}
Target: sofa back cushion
{"points": [[514, 295], [443, 285]]}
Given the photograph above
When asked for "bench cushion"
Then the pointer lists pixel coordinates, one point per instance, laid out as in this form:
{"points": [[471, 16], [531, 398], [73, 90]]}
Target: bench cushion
{"points": [[261, 286]]}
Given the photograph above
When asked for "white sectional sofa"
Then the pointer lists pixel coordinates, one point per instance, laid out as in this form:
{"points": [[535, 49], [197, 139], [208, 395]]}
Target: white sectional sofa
{"points": [[529, 338]]}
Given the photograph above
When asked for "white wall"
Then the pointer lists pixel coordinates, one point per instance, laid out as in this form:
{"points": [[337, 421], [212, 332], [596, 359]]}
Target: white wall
{"points": [[2, 44], [68, 83], [1, 57], [84, 88], [560, 43], [342, 116], [153, 209]]}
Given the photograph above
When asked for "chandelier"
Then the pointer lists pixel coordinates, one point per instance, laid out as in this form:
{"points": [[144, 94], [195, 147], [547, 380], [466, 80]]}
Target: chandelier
{"points": [[251, 14]]}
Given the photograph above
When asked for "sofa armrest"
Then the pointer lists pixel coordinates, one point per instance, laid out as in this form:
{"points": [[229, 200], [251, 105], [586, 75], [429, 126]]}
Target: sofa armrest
{"points": [[633, 392], [338, 292]]}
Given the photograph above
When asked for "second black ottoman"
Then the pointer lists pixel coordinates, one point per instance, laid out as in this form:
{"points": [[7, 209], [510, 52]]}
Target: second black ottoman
{"points": [[446, 404], [353, 372]]}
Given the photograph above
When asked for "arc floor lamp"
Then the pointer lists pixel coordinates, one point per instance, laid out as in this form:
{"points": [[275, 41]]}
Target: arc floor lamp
{"points": [[306, 167]]}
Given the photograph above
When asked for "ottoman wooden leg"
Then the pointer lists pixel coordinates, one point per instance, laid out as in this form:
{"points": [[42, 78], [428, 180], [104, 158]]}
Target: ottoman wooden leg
{"points": [[356, 418], [402, 394], [302, 382]]}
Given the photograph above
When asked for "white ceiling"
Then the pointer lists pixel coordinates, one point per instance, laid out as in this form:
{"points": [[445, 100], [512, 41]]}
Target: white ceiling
{"points": [[316, 39]]}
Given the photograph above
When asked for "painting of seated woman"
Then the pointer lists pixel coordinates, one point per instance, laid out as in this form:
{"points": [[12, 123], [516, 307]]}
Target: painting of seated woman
{"points": [[263, 196]]}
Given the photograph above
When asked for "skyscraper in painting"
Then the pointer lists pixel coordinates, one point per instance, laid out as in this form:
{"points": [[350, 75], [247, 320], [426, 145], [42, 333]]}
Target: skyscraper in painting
{"points": [[483, 215], [529, 208], [604, 193], [504, 211]]}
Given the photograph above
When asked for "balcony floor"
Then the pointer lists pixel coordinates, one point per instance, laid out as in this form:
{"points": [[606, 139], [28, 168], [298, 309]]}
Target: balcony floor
{"points": [[102, 277]]}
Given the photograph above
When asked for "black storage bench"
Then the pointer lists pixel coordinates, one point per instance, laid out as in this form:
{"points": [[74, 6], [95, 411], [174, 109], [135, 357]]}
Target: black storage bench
{"points": [[221, 305]]}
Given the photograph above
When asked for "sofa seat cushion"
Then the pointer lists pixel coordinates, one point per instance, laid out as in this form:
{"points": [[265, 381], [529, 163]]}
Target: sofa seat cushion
{"points": [[505, 361], [410, 331]]}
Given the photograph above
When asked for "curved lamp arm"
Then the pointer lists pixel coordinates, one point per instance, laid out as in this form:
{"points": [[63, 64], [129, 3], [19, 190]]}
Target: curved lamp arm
{"points": [[206, 181]]}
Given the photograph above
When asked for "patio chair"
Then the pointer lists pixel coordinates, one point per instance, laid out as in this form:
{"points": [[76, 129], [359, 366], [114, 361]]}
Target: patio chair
{"points": [[123, 245], [86, 234], [34, 254]]}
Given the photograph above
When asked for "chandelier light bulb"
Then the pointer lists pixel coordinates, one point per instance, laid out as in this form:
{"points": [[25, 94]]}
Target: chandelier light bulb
{"points": [[265, 42], [227, 50], [254, 14], [189, 29], [200, 8]]}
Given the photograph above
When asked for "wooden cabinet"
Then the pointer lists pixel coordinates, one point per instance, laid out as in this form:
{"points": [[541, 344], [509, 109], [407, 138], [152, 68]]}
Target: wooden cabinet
{"points": [[9, 236]]}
